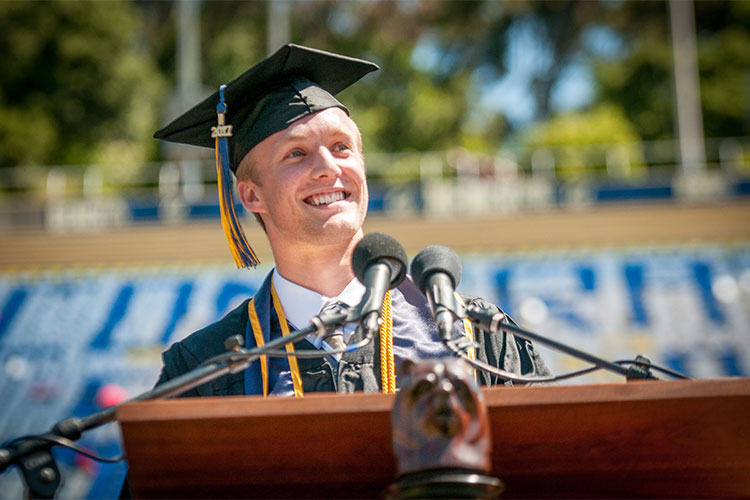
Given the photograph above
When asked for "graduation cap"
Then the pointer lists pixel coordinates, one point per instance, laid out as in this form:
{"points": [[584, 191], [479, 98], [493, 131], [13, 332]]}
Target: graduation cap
{"points": [[292, 83]]}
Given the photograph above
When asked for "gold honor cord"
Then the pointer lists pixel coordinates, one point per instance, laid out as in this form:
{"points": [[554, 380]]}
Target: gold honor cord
{"points": [[387, 362], [259, 342], [293, 366]]}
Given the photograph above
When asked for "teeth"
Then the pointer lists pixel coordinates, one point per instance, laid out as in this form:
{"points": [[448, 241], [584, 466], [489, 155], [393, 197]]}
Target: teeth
{"points": [[327, 198]]}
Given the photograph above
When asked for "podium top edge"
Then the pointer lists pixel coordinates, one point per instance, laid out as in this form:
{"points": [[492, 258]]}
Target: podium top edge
{"points": [[332, 404]]}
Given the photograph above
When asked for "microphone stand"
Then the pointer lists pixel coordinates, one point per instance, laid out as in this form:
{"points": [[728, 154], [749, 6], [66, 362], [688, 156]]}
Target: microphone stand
{"points": [[492, 322], [33, 454]]}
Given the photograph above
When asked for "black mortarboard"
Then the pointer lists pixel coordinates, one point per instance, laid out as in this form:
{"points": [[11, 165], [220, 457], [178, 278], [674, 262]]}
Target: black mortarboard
{"points": [[294, 82]]}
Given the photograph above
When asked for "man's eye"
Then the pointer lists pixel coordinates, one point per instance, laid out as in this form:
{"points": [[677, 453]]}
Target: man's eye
{"points": [[342, 147], [296, 154]]}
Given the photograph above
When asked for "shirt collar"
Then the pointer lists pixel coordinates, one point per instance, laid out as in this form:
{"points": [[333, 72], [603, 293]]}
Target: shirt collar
{"points": [[301, 304]]}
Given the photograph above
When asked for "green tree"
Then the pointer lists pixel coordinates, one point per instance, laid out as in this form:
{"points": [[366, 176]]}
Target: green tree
{"points": [[76, 86], [641, 78], [586, 143]]}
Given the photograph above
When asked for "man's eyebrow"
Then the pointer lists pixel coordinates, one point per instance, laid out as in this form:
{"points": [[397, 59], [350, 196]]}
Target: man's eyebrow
{"points": [[296, 136]]}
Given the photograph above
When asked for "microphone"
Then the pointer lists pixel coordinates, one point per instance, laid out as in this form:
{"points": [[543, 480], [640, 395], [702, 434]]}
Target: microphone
{"points": [[437, 272], [379, 262]]}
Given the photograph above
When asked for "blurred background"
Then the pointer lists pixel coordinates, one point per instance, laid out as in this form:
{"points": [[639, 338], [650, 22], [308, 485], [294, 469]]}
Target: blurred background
{"points": [[589, 160]]}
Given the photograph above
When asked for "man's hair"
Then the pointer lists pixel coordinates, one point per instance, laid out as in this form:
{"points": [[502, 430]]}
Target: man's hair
{"points": [[246, 171]]}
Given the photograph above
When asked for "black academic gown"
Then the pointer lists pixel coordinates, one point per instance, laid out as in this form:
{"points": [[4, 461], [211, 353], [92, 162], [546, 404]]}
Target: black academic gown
{"points": [[414, 337]]}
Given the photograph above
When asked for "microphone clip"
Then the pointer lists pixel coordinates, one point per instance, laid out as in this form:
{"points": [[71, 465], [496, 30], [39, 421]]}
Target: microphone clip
{"points": [[329, 320], [484, 318], [640, 370]]}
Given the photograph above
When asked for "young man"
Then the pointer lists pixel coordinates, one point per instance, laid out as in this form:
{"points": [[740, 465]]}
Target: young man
{"points": [[297, 156]]}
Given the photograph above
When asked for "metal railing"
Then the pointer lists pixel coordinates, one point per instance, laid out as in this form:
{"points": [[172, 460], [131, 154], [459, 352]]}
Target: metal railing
{"points": [[456, 181]]}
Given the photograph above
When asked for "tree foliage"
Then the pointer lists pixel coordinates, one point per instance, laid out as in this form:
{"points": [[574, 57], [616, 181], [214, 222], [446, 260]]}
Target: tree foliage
{"points": [[76, 86], [641, 79], [582, 143], [86, 81]]}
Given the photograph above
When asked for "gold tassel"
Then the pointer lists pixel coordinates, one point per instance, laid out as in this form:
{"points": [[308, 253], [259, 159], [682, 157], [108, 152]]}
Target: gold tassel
{"points": [[243, 254]]}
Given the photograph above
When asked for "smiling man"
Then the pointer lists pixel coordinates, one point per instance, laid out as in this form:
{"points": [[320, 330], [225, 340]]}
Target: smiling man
{"points": [[297, 156]]}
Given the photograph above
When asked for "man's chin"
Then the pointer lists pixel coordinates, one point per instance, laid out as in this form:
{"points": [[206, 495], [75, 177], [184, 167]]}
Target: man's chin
{"points": [[337, 229]]}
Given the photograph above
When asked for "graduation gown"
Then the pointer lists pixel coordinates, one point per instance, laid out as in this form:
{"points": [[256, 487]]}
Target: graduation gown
{"points": [[414, 337]]}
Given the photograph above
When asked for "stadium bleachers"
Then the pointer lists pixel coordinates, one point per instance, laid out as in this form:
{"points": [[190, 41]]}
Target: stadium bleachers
{"points": [[66, 337]]}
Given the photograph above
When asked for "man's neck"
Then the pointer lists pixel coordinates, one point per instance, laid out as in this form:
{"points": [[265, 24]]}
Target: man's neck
{"points": [[323, 269]]}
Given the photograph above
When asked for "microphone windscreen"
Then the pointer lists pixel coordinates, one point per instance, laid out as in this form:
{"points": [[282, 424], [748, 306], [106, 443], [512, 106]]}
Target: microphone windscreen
{"points": [[380, 247], [435, 258]]}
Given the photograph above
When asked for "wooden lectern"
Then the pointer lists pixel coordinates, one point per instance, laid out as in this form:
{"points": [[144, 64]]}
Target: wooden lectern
{"points": [[667, 439]]}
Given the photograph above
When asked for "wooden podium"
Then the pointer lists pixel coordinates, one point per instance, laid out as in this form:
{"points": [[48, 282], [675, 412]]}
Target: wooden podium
{"points": [[666, 439]]}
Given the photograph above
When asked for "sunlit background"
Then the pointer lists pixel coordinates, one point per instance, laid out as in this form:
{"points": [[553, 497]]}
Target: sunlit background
{"points": [[589, 161]]}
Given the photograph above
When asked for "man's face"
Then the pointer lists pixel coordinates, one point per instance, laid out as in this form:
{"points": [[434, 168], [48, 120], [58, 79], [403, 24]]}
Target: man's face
{"points": [[309, 180]]}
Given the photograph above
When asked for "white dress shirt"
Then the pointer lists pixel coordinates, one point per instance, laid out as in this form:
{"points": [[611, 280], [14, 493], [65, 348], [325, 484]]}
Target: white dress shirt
{"points": [[301, 304]]}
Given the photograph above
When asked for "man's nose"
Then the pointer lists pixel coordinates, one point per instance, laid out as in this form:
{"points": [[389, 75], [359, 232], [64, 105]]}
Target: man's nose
{"points": [[325, 164]]}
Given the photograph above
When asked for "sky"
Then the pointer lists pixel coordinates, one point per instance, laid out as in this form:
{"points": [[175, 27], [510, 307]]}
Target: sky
{"points": [[526, 57]]}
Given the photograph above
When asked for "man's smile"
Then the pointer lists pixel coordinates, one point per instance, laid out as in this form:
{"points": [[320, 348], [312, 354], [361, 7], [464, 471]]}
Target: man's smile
{"points": [[326, 198]]}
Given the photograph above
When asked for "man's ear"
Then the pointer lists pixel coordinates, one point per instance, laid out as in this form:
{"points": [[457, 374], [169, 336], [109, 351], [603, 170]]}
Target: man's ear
{"points": [[250, 197]]}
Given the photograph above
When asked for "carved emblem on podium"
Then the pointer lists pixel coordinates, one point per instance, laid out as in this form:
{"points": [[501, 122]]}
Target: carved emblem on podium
{"points": [[441, 434]]}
